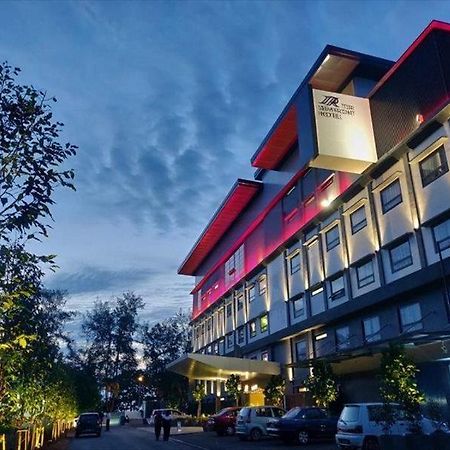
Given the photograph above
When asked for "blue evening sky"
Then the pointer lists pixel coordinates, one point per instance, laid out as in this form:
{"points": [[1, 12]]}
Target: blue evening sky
{"points": [[167, 101]]}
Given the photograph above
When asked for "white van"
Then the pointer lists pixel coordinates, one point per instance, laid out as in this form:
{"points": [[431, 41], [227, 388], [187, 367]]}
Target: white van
{"points": [[359, 425]]}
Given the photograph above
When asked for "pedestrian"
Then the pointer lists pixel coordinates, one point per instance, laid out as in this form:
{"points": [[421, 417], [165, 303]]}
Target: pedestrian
{"points": [[108, 420], [158, 424], [166, 423]]}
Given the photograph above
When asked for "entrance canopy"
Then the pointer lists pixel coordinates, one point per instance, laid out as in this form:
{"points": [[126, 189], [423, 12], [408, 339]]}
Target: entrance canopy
{"points": [[197, 366]]}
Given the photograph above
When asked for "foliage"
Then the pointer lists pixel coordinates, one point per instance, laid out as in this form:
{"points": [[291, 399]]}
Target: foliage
{"points": [[322, 384], [398, 383], [233, 387], [110, 354], [274, 391], [163, 343], [199, 394]]}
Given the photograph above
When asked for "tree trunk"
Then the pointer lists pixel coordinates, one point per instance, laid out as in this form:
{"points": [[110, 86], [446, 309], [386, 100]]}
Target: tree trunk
{"points": [[199, 408]]}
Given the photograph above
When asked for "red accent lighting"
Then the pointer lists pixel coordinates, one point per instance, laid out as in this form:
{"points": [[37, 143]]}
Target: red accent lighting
{"points": [[237, 199]]}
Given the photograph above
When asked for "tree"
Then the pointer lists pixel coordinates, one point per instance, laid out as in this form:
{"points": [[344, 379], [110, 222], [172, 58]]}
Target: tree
{"points": [[322, 384], [233, 387], [163, 343], [274, 391], [199, 394]]}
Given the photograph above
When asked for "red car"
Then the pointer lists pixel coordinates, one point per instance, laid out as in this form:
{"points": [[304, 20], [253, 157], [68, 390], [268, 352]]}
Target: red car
{"points": [[224, 422]]}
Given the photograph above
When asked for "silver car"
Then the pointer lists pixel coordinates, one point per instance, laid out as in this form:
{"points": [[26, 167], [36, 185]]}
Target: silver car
{"points": [[252, 421]]}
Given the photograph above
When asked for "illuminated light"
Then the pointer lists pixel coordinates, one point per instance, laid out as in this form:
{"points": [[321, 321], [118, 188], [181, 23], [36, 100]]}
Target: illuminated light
{"points": [[291, 374], [216, 286], [302, 389], [317, 291], [325, 202], [419, 118], [254, 387], [246, 388], [416, 224], [321, 336], [222, 399]]}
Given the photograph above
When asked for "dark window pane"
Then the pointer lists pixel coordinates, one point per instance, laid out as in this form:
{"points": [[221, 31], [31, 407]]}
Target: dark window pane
{"points": [[411, 318], [400, 256], [332, 237], [391, 196], [441, 234], [358, 219], [337, 288], [365, 274], [290, 201], [433, 166]]}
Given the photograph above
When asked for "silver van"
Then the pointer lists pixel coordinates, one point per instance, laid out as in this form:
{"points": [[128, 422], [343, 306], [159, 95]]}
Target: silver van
{"points": [[252, 421]]}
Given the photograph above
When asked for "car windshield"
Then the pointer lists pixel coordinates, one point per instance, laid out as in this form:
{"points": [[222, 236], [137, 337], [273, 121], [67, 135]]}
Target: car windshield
{"points": [[84, 418], [223, 411], [292, 413], [350, 413], [244, 412]]}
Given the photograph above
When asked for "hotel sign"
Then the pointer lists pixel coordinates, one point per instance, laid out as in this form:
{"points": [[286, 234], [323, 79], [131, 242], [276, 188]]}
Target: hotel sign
{"points": [[344, 132]]}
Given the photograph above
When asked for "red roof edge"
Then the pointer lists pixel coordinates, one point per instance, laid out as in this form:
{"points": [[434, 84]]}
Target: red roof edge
{"points": [[433, 26], [235, 202]]}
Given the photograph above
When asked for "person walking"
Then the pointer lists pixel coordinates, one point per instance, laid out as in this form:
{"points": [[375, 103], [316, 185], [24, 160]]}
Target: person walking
{"points": [[166, 423], [158, 424], [108, 420]]}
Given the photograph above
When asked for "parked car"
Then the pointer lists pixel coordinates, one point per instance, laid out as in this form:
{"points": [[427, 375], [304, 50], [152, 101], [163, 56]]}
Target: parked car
{"points": [[224, 422], [88, 423], [360, 425], [304, 425], [176, 415], [252, 421]]}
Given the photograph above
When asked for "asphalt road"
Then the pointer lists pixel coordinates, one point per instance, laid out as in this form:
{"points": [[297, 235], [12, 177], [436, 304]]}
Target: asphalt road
{"points": [[128, 438]]}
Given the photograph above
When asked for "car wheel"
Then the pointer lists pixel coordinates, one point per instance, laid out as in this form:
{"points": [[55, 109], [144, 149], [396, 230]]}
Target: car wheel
{"points": [[230, 430], [303, 437], [371, 444], [255, 434]]}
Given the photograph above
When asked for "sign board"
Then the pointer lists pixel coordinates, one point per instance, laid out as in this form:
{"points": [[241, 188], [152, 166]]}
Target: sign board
{"points": [[344, 132]]}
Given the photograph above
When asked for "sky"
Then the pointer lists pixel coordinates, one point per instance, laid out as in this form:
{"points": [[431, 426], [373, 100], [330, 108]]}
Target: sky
{"points": [[167, 101]]}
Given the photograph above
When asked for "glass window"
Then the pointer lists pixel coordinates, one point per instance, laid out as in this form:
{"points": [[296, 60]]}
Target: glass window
{"points": [[365, 274], [264, 323], [332, 237], [342, 338], [263, 412], [294, 262], [441, 235], [290, 201], [230, 340], [337, 287], [433, 166], [308, 184], [262, 285], [216, 348], [229, 309], [301, 350], [240, 335], [234, 267], [265, 356], [372, 329], [358, 219], [391, 196], [400, 256], [411, 318], [251, 293], [240, 302], [252, 326], [299, 307]]}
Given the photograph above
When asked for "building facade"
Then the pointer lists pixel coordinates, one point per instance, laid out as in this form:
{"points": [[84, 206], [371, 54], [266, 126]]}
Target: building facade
{"points": [[341, 243]]}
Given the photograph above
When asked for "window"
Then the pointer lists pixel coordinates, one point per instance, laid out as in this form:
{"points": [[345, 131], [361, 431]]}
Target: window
{"points": [[358, 219], [332, 237], [264, 323], [234, 266], [391, 196], [365, 274], [216, 348], [400, 256], [372, 329], [262, 284], [294, 262], [411, 318], [229, 309], [290, 201], [251, 293], [308, 184], [433, 166], [301, 350], [265, 356], [240, 337], [252, 326], [342, 338], [240, 302], [209, 349], [230, 340], [299, 307], [263, 412], [337, 288], [209, 324], [441, 235]]}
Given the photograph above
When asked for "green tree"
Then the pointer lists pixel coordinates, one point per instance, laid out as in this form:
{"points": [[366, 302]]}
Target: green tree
{"points": [[199, 394], [274, 391], [322, 384], [233, 387]]}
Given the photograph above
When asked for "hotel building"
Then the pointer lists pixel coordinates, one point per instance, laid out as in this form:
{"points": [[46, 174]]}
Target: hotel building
{"points": [[341, 243]]}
